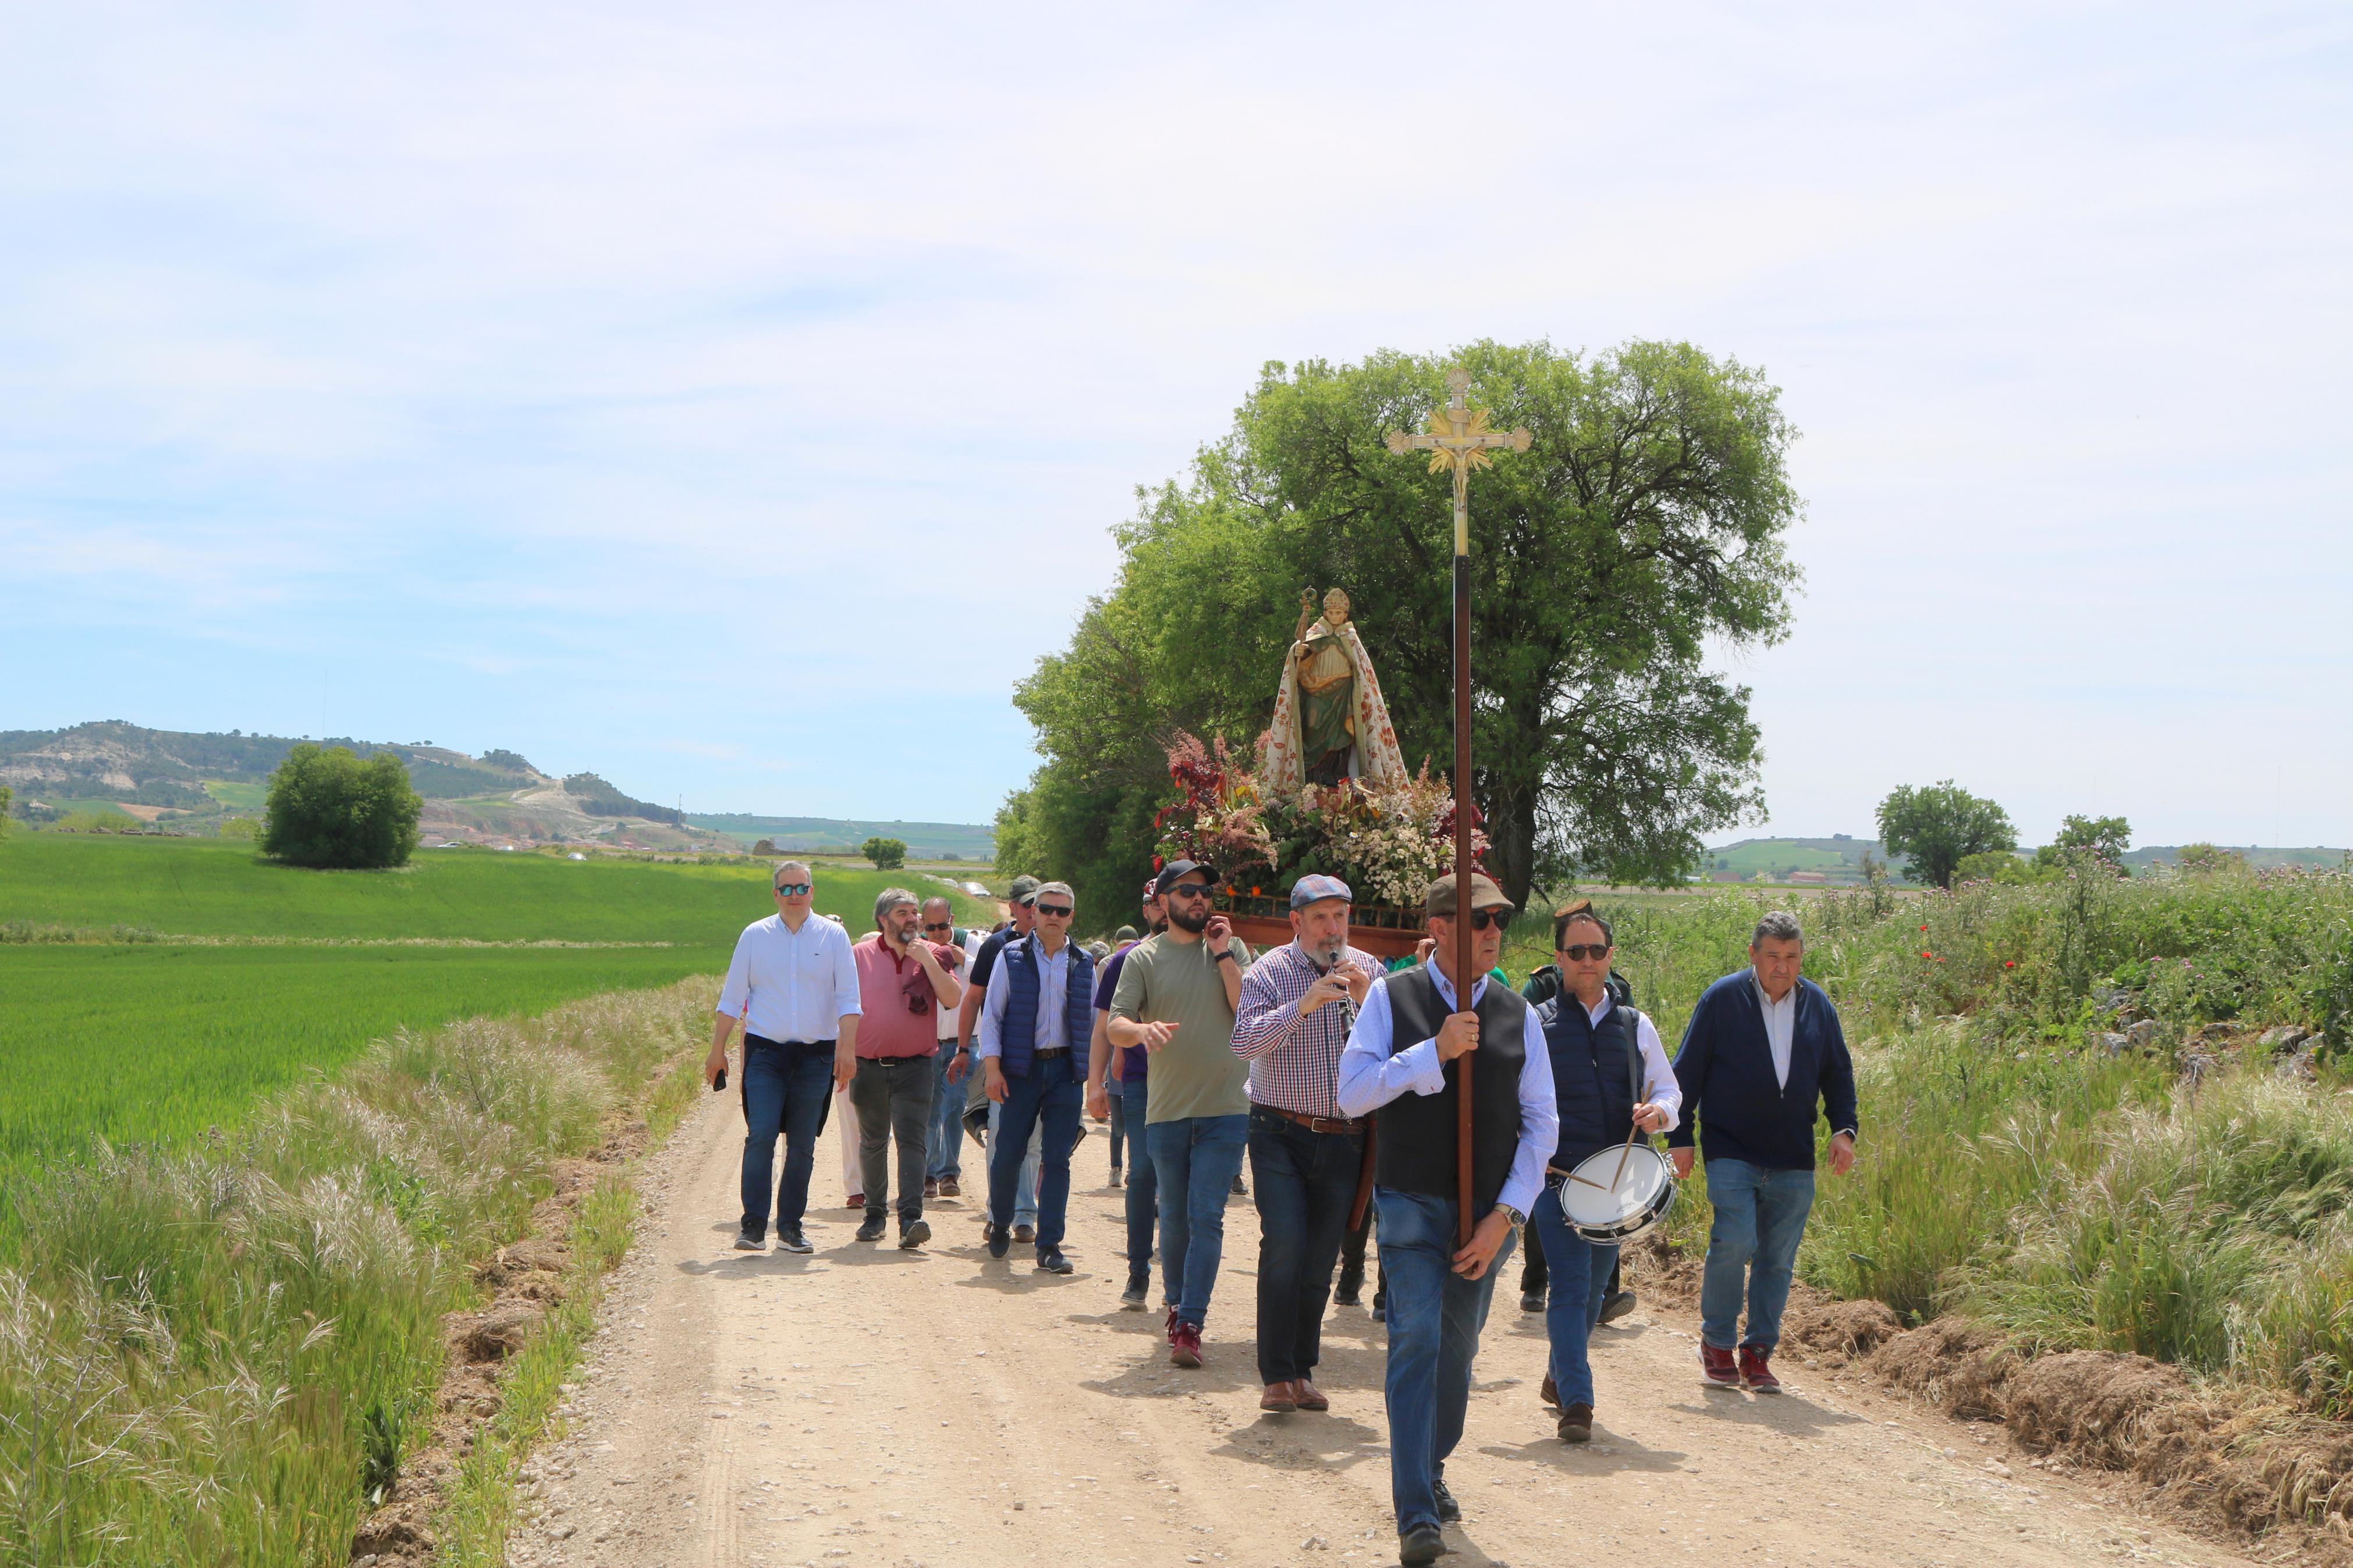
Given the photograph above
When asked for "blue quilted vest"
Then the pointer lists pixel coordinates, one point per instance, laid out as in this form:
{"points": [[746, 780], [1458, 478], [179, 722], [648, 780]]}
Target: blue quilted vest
{"points": [[1018, 1037], [1595, 1076]]}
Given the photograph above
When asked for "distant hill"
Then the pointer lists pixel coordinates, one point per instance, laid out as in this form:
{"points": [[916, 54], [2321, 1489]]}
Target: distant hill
{"points": [[124, 764], [1837, 860], [2261, 859], [814, 835]]}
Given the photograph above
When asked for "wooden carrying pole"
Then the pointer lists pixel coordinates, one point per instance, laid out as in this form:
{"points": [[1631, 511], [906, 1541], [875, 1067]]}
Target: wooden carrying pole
{"points": [[1457, 438]]}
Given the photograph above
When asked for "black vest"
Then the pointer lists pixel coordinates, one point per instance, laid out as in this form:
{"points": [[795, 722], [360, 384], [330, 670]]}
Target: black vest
{"points": [[1416, 1131], [1594, 1076]]}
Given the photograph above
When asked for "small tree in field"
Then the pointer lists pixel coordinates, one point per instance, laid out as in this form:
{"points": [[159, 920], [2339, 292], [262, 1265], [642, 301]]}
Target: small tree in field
{"points": [[765, 847], [887, 854], [330, 810], [1937, 826]]}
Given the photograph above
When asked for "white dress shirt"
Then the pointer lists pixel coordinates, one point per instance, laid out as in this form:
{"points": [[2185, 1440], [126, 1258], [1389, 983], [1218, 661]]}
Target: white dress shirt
{"points": [[1659, 1085], [1780, 1024], [947, 1020], [788, 984], [1370, 1076], [1053, 989]]}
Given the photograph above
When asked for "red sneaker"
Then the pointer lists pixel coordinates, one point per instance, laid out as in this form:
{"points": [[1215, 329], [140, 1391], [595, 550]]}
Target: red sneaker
{"points": [[1755, 1373], [1717, 1368], [1185, 1345]]}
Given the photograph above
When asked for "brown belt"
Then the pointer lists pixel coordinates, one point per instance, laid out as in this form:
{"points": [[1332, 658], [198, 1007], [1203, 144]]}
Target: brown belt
{"points": [[1316, 1124]]}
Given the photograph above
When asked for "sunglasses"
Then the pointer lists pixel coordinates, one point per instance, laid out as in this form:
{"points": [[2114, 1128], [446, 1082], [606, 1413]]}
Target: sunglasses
{"points": [[938, 925], [792, 889], [1056, 912], [1481, 919], [1583, 950], [1023, 903], [1191, 890]]}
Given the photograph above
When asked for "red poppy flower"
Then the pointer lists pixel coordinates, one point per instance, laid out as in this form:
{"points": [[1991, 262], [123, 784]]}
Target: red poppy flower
{"points": [[1926, 954], [2009, 964], [1924, 928]]}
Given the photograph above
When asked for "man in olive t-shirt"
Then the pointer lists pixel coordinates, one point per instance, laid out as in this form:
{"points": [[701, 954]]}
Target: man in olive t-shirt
{"points": [[1175, 998]]}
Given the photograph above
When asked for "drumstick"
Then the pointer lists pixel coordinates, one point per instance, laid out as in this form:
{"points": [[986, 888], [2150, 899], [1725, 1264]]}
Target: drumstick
{"points": [[1625, 1154]]}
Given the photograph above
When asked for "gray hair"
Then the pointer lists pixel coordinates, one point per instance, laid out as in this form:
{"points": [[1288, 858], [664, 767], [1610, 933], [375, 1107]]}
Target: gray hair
{"points": [[942, 901], [801, 866], [1779, 925], [889, 899], [1061, 887]]}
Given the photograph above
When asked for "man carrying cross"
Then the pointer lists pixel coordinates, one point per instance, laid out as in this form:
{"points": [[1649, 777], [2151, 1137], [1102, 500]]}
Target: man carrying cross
{"points": [[1412, 1046]]}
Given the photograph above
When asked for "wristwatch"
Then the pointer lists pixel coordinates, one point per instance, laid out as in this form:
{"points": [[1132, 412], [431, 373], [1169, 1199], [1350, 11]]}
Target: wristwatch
{"points": [[1515, 1216], [1226, 954]]}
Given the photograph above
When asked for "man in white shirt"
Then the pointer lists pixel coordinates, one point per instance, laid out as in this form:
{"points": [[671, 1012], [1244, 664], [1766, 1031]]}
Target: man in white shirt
{"points": [[793, 983]]}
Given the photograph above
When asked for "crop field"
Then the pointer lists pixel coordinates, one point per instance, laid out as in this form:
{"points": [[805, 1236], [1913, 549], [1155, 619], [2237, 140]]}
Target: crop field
{"points": [[157, 1041]]}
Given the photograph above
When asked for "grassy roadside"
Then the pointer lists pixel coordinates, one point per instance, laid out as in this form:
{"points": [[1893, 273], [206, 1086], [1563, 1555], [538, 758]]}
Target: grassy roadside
{"points": [[479, 1511]]}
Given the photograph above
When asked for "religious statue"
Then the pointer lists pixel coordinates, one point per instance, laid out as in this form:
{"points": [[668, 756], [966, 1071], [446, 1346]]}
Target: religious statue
{"points": [[1330, 720]]}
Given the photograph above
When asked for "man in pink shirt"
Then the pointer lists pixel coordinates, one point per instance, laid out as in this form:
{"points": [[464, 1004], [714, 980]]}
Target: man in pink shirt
{"points": [[901, 986]]}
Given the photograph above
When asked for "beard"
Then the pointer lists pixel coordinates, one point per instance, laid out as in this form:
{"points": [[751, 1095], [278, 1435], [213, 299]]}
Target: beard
{"points": [[1327, 952], [1195, 920]]}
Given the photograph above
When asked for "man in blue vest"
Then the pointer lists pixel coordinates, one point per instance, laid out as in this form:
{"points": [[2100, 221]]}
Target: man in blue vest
{"points": [[1034, 1028], [1762, 1052], [1405, 1059], [1609, 1076]]}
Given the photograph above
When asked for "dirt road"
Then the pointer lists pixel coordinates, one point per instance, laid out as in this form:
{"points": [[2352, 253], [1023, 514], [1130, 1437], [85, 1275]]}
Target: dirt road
{"points": [[868, 1406]]}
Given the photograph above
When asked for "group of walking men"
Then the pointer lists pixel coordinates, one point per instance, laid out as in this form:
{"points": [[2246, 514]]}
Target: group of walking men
{"points": [[1340, 1080]]}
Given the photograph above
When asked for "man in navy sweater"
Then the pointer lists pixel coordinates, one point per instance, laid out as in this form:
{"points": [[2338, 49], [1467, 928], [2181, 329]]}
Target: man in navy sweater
{"points": [[1762, 1056]]}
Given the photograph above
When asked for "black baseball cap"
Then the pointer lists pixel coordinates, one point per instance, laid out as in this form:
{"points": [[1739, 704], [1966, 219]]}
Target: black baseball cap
{"points": [[1023, 891], [1175, 870]]}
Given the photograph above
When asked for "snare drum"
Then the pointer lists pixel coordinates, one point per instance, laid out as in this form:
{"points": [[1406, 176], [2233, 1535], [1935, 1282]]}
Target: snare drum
{"points": [[1616, 1195]]}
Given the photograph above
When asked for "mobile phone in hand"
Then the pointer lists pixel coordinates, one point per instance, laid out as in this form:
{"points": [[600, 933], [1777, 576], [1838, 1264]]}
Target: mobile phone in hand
{"points": [[720, 1082]]}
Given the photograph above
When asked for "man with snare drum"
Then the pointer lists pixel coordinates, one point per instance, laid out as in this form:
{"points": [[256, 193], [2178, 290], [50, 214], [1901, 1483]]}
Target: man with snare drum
{"points": [[1762, 1052], [1610, 1078]]}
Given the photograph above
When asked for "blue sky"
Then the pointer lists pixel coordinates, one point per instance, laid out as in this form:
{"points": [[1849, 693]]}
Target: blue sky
{"points": [[734, 400]]}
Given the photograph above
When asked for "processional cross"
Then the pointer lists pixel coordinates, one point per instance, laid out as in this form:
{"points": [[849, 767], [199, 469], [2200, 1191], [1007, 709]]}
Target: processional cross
{"points": [[1457, 438]]}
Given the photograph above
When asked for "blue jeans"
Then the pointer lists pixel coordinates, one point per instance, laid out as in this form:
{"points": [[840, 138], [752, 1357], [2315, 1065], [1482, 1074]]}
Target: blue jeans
{"points": [[1194, 1160], [1760, 1216], [1304, 1183], [786, 1090], [1580, 1274], [1143, 1184], [1435, 1316], [1040, 1109], [1025, 1196], [945, 1155]]}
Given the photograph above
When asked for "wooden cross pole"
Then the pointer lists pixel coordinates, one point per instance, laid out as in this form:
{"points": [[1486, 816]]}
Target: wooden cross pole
{"points": [[1458, 440]]}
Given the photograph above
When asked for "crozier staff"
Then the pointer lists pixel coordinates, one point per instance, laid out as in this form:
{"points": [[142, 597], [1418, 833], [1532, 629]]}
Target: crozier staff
{"points": [[1411, 1047]]}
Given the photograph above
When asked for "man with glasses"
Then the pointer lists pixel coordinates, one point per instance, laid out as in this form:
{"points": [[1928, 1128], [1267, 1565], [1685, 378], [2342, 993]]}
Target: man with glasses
{"points": [[904, 987], [1610, 1077], [1117, 1083], [1034, 1027], [793, 985], [1177, 996], [1405, 1056], [1296, 1005], [944, 1161], [1020, 920]]}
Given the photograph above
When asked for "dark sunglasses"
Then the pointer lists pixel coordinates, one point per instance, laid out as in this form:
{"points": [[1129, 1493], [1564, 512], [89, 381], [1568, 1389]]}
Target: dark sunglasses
{"points": [[1482, 919], [1583, 950], [1060, 912], [1023, 903], [938, 925], [1191, 890], [792, 889]]}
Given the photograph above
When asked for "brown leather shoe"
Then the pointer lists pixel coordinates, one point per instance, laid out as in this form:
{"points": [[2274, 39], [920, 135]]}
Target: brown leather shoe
{"points": [[1550, 1391], [1755, 1373], [1575, 1424], [1310, 1397], [1280, 1396], [1717, 1368]]}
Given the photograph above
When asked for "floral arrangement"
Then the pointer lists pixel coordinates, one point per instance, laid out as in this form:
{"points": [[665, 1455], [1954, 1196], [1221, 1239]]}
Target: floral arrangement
{"points": [[1388, 844]]}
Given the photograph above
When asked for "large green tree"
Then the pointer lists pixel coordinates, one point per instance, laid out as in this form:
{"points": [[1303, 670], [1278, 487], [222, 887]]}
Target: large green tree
{"points": [[1937, 826], [1643, 527], [330, 810]]}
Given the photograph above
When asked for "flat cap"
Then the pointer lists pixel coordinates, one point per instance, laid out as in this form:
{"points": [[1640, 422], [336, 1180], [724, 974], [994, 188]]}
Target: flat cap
{"points": [[1316, 887], [1485, 895]]}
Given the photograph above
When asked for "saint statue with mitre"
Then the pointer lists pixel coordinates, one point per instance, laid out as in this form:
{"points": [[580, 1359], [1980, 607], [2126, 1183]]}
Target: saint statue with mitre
{"points": [[1330, 720]]}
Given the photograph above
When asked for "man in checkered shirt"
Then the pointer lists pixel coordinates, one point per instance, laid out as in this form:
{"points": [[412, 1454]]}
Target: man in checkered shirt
{"points": [[1290, 1025]]}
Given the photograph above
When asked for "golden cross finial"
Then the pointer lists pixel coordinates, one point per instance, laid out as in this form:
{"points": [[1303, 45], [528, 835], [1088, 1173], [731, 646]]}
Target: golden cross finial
{"points": [[1457, 438]]}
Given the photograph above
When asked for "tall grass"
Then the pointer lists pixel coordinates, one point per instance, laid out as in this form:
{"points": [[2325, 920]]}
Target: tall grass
{"points": [[212, 1355]]}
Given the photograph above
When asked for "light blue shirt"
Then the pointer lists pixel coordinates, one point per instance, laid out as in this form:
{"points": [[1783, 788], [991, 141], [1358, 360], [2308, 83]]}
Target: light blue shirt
{"points": [[1053, 992], [1370, 1076], [788, 984]]}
